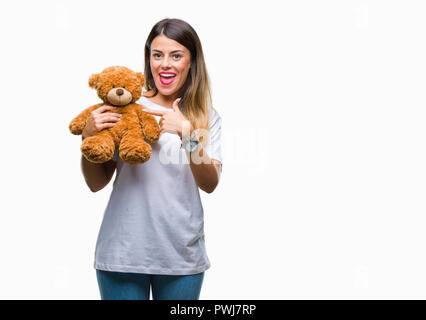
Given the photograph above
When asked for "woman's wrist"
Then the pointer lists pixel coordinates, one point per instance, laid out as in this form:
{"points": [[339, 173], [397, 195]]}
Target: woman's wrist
{"points": [[190, 142], [186, 129]]}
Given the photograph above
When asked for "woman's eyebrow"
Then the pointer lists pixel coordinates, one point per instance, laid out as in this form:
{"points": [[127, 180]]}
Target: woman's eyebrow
{"points": [[170, 52]]}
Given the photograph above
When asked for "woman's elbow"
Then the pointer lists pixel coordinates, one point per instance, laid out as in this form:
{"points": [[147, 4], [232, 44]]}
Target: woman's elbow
{"points": [[209, 188], [94, 189]]}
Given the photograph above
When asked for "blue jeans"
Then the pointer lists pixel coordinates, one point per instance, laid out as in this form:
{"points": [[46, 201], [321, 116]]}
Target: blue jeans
{"points": [[136, 286]]}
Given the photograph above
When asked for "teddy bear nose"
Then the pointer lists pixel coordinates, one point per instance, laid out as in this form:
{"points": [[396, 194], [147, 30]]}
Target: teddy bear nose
{"points": [[119, 92]]}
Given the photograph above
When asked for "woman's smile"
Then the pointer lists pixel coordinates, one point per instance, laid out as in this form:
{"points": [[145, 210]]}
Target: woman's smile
{"points": [[167, 78]]}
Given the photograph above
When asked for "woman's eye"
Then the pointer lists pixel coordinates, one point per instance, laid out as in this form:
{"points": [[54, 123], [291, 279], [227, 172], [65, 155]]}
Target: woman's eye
{"points": [[177, 56], [156, 55]]}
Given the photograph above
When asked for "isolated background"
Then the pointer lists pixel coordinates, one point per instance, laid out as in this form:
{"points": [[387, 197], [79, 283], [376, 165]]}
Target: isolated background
{"points": [[323, 107]]}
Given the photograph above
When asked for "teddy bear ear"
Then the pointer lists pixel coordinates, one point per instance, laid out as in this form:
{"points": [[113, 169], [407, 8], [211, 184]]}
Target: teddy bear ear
{"points": [[93, 80], [140, 77]]}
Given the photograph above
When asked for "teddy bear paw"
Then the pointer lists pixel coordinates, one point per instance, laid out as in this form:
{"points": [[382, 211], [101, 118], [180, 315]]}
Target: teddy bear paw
{"points": [[76, 128], [152, 135], [96, 150], [136, 154]]}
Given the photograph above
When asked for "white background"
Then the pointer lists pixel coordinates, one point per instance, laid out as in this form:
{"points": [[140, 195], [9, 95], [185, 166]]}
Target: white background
{"points": [[323, 105]]}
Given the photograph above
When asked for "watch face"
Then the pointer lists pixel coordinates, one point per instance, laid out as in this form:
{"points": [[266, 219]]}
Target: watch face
{"points": [[192, 146], [193, 136]]}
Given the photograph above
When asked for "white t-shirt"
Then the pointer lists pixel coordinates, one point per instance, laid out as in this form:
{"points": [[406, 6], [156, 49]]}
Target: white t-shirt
{"points": [[153, 222]]}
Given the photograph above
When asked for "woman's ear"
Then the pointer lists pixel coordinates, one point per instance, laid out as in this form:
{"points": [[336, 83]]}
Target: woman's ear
{"points": [[140, 77], [93, 80]]}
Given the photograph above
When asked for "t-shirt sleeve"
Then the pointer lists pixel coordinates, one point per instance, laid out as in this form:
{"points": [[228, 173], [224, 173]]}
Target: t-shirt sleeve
{"points": [[213, 147]]}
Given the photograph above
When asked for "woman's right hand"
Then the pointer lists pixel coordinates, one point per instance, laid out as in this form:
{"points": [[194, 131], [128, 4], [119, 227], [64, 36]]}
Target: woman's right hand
{"points": [[99, 119]]}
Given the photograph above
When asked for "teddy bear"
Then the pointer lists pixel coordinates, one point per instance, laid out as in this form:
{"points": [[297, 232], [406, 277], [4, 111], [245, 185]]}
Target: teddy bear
{"points": [[119, 87]]}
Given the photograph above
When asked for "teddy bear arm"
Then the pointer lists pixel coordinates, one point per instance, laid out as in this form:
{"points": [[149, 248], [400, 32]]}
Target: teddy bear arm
{"points": [[78, 123], [149, 125]]}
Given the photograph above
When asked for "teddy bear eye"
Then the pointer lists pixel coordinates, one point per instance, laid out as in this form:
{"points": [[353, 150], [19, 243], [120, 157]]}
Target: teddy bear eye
{"points": [[124, 87], [113, 86]]}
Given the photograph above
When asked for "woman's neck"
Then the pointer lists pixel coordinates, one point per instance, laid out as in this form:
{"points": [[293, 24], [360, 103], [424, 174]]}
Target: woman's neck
{"points": [[159, 99]]}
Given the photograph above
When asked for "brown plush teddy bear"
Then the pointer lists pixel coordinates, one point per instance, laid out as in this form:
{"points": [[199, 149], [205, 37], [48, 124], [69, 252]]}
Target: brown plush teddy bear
{"points": [[119, 87]]}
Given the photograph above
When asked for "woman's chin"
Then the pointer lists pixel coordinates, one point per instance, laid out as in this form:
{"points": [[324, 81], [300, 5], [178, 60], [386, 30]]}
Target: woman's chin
{"points": [[166, 91]]}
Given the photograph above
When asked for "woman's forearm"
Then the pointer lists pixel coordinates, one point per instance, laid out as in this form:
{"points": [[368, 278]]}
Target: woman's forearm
{"points": [[94, 174], [205, 172]]}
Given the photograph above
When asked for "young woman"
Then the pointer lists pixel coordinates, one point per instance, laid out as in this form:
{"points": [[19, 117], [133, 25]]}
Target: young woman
{"points": [[152, 233]]}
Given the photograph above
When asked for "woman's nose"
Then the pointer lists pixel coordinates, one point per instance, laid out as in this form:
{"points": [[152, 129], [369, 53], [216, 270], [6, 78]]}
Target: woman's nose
{"points": [[165, 62]]}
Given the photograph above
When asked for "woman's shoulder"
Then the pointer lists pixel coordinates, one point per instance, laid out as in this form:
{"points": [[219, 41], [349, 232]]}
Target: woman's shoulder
{"points": [[213, 114], [146, 95], [214, 118]]}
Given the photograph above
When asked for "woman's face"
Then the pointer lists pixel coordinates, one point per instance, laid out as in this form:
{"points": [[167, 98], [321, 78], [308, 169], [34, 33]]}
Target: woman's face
{"points": [[170, 62]]}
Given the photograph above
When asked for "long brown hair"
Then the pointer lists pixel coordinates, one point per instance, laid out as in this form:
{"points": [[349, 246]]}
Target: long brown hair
{"points": [[195, 93]]}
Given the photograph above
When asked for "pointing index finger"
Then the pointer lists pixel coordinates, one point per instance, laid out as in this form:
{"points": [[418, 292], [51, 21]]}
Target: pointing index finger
{"points": [[155, 113]]}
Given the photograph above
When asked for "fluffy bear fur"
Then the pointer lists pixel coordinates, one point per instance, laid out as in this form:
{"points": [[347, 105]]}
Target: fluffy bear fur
{"points": [[120, 87]]}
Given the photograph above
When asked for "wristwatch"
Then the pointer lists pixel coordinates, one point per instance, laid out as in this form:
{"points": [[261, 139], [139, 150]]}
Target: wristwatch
{"points": [[190, 143]]}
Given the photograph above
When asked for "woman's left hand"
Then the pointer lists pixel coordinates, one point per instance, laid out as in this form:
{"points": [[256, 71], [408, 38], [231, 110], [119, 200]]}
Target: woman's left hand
{"points": [[172, 121]]}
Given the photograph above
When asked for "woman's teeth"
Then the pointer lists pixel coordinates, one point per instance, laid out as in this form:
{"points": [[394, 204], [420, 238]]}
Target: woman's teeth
{"points": [[167, 79]]}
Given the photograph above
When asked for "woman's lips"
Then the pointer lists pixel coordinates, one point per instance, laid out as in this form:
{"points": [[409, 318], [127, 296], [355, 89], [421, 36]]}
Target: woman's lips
{"points": [[166, 81]]}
